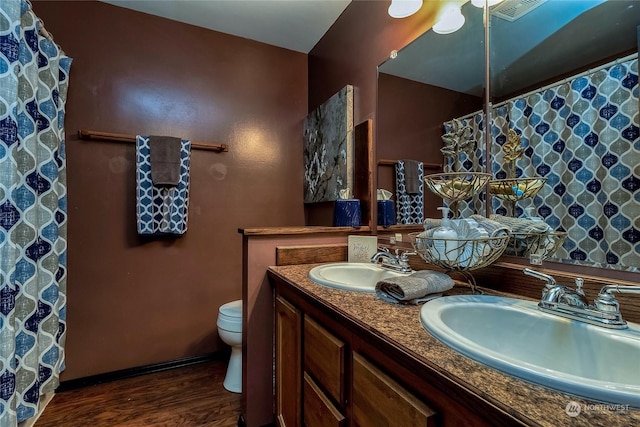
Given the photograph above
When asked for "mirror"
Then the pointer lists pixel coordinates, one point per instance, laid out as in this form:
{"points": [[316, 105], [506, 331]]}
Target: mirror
{"points": [[425, 85], [564, 77], [432, 80]]}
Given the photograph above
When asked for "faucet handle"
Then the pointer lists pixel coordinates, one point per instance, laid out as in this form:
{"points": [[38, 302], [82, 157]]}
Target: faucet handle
{"points": [[405, 255], [606, 302], [579, 284], [549, 280]]}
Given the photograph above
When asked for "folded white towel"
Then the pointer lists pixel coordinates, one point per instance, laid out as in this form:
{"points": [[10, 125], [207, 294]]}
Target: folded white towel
{"points": [[522, 225], [415, 288], [430, 223], [494, 227]]}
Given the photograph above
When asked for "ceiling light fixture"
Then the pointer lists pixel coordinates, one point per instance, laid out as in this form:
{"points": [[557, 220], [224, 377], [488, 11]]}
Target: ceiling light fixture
{"points": [[450, 19], [482, 3], [404, 8]]}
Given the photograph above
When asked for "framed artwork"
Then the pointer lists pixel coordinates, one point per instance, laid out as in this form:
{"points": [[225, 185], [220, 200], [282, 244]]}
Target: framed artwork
{"points": [[328, 148]]}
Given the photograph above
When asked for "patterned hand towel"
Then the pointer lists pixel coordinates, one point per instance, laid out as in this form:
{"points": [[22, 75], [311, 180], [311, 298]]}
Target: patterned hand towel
{"points": [[161, 210], [415, 288], [409, 206]]}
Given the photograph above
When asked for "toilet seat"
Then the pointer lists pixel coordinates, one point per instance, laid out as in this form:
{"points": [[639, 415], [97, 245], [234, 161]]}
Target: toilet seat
{"points": [[230, 316]]}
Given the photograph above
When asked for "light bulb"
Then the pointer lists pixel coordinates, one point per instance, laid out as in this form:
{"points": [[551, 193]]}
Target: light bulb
{"points": [[450, 19], [404, 8], [481, 3]]}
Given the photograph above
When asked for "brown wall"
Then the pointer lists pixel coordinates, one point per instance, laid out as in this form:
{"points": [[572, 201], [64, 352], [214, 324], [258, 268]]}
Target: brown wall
{"points": [[410, 118], [349, 53], [134, 301]]}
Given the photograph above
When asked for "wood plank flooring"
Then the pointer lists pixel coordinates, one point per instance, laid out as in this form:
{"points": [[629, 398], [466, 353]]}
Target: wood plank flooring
{"points": [[191, 396]]}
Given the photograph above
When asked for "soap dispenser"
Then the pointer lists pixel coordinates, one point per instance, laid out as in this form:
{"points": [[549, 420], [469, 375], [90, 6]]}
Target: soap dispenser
{"points": [[446, 250]]}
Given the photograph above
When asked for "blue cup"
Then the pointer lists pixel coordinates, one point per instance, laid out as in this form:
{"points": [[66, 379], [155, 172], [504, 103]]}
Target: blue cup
{"points": [[386, 213], [346, 213]]}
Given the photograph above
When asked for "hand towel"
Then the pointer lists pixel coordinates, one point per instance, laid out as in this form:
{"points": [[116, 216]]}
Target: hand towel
{"points": [[412, 179], [409, 207], [522, 225], [430, 223], [165, 160], [493, 228], [415, 288], [161, 210]]}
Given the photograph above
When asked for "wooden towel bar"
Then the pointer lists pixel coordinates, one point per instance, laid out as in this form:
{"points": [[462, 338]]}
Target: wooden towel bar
{"points": [[119, 137]]}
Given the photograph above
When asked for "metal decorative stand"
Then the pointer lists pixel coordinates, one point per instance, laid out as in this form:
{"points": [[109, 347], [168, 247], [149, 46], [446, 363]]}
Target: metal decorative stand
{"points": [[513, 189], [456, 186], [460, 255], [535, 245]]}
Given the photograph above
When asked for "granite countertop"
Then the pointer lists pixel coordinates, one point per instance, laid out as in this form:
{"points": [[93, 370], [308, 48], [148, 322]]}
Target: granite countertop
{"points": [[400, 324]]}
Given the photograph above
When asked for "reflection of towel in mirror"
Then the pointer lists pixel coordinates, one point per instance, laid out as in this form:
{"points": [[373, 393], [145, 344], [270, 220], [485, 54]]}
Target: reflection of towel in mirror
{"points": [[430, 223], [415, 288], [522, 225], [409, 207], [411, 177], [165, 160], [494, 228]]}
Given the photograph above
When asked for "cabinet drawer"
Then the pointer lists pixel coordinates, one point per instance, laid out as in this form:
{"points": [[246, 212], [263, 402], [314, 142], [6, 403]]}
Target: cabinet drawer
{"points": [[324, 359], [318, 410], [378, 400]]}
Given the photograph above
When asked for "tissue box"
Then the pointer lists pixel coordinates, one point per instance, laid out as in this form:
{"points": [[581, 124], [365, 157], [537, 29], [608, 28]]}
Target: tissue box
{"points": [[386, 213], [346, 213]]}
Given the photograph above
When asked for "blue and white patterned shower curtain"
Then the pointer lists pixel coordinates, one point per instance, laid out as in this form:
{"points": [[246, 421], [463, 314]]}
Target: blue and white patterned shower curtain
{"points": [[583, 136], [474, 161], [33, 212]]}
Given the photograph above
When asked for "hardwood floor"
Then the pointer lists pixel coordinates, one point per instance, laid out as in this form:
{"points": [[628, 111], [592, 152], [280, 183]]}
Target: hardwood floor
{"points": [[191, 396]]}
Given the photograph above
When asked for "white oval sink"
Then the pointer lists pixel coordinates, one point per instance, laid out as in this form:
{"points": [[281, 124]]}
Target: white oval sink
{"points": [[513, 336], [352, 276]]}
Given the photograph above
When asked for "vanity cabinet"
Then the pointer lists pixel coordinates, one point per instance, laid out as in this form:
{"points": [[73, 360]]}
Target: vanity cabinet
{"points": [[324, 384], [288, 366], [318, 410], [334, 370], [379, 400], [329, 374]]}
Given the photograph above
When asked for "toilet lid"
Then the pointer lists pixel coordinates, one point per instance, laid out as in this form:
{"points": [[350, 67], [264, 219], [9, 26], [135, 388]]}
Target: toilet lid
{"points": [[232, 309]]}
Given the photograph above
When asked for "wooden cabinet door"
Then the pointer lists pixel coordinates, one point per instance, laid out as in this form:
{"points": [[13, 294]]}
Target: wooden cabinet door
{"points": [[318, 409], [288, 364], [377, 400], [324, 359]]}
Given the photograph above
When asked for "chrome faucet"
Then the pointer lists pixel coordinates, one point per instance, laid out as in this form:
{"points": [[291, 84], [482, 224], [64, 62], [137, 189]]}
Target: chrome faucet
{"points": [[573, 304], [397, 262]]}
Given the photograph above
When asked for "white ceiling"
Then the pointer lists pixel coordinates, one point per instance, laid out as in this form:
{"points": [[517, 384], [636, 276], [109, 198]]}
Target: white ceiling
{"points": [[292, 24]]}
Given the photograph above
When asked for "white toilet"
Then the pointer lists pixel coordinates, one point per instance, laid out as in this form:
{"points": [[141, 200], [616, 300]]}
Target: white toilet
{"points": [[230, 332]]}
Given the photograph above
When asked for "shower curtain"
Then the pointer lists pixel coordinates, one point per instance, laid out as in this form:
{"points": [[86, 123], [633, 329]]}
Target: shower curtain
{"points": [[583, 136], [33, 211], [473, 161]]}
